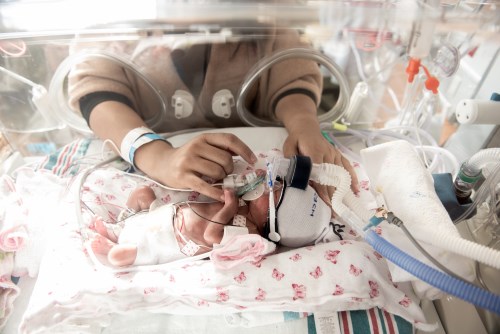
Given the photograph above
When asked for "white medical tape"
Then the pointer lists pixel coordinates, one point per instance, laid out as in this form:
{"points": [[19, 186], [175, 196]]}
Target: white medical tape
{"points": [[240, 220], [157, 203], [190, 248], [231, 231]]}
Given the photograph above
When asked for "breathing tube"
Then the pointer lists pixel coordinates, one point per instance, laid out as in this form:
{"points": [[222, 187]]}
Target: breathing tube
{"points": [[349, 208], [440, 280]]}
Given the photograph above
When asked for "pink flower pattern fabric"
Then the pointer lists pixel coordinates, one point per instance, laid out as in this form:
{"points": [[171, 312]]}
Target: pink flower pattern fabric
{"points": [[336, 276]]}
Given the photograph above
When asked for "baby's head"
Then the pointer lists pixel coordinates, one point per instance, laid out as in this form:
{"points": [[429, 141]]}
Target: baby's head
{"points": [[301, 215]]}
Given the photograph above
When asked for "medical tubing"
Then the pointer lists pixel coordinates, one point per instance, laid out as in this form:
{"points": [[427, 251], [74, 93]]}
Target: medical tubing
{"points": [[343, 199], [357, 206], [78, 195], [440, 150], [335, 176], [421, 132], [427, 255], [343, 148], [440, 280], [479, 274], [482, 158], [466, 248]]}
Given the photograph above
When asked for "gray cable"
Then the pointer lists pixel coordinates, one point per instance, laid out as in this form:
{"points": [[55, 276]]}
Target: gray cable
{"points": [[391, 218]]}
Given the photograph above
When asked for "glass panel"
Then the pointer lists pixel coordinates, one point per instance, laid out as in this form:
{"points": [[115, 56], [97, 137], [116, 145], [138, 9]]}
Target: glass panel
{"points": [[165, 51]]}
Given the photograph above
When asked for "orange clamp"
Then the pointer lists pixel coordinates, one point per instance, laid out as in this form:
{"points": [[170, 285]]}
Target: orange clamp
{"points": [[412, 69]]}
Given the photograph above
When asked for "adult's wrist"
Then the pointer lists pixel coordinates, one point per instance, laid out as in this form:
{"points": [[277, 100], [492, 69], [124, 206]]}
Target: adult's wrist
{"points": [[293, 110], [150, 155]]}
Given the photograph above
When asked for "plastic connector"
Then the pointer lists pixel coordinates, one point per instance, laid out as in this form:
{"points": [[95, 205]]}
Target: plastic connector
{"points": [[412, 69], [374, 221], [339, 126], [393, 219], [243, 183], [233, 182], [432, 83]]}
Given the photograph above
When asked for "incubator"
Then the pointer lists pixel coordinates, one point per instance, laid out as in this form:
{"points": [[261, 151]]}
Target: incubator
{"points": [[424, 71]]}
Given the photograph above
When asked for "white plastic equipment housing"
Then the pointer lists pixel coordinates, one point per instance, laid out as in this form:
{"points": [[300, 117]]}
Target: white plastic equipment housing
{"points": [[478, 112], [222, 103], [183, 103]]}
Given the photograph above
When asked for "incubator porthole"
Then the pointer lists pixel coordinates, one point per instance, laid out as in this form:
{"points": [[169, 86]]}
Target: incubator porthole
{"points": [[58, 91], [334, 114]]}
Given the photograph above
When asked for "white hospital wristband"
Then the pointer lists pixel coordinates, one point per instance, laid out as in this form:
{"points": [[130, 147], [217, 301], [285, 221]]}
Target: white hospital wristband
{"points": [[134, 139]]}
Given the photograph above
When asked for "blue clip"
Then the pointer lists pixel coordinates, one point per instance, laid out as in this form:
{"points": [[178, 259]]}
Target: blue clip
{"points": [[374, 221]]}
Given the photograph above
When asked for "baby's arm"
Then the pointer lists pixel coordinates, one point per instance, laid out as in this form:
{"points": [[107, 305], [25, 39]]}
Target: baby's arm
{"points": [[214, 232]]}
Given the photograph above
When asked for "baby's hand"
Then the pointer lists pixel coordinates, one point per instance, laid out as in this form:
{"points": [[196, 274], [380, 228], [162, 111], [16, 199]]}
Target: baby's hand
{"points": [[215, 231], [141, 198], [230, 208]]}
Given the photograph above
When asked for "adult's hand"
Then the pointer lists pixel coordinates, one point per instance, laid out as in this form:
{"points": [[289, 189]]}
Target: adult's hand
{"points": [[207, 155], [298, 114], [311, 143]]}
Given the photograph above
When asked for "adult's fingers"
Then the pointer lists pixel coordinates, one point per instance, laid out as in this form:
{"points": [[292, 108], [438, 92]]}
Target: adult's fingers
{"points": [[354, 178], [218, 156], [232, 144], [197, 183], [205, 167]]}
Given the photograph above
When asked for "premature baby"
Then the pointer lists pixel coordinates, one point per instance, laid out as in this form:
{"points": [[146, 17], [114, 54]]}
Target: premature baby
{"points": [[164, 233]]}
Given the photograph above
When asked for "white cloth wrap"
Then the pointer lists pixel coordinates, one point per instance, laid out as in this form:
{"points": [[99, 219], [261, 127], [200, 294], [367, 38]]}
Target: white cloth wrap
{"points": [[303, 218], [396, 171], [153, 235]]}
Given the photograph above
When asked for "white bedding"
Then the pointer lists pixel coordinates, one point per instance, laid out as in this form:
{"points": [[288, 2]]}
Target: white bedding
{"points": [[71, 292], [337, 276]]}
